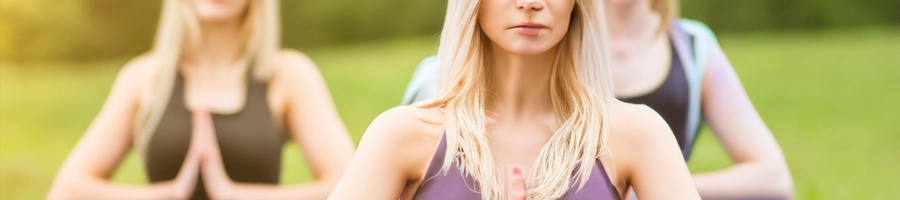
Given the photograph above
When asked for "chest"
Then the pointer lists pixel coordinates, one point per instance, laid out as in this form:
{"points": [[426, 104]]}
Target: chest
{"points": [[249, 139], [518, 144], [216, 92]]}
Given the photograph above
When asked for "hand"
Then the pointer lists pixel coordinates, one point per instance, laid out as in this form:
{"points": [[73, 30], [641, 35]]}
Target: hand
{"points": [[185, 182], [215, 178], [517, 184]]}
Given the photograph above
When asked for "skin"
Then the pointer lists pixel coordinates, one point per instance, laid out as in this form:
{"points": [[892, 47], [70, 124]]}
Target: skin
{"points": [[395, 151], [298, 99], [641, 62]]}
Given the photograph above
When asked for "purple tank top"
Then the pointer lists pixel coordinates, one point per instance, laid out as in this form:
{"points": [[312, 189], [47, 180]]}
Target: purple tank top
{"points": [[458, 186]]}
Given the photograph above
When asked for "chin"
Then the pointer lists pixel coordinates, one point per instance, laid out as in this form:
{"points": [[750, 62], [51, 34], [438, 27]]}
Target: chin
{"points": [[528, 47], [215, 12], [207, 17], [621, 2], [529, 51]]}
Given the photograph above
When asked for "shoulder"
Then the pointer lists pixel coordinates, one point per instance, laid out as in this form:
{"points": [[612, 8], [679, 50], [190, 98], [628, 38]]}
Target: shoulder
{"points": [[137, 74], [646, 153], [702, 36], [140, 66], [406, 136], [293, 71], [291, 57], [633, 120], [292, 64], [696, 28], [637, 129], [637, 134], [409, 122]]}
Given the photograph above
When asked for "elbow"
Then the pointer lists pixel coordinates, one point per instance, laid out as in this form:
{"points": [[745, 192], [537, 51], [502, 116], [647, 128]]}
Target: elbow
{"points": [[782, 184], [71, 186], [785, 190], [326, 185], [61, 189], [329, 184]]}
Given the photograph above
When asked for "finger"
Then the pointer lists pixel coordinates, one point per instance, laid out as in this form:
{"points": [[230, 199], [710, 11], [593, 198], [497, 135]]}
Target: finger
{"points": [[211, 163], [517, 184], [202, 122], [187, 175], [213, 170], [204, 135], [215, 178]]}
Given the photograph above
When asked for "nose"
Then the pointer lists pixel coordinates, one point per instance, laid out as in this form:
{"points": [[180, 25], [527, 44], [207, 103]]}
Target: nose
{"points": [[535, 5]]}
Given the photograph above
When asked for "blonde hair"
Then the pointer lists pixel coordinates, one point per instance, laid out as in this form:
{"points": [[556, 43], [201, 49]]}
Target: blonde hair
{"points": [[580, 91], [179, 28], [668, 10]]}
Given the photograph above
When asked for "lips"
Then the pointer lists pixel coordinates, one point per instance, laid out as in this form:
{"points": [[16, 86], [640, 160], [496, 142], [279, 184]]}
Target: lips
{"points": [[529, 29]]}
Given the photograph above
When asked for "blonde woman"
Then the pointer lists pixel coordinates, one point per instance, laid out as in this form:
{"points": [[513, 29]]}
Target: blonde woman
{"points": [[677, 68], [524, 84], [216, 96]]}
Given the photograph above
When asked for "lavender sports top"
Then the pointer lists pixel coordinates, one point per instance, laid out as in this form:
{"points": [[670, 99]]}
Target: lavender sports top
{"points": [[457, 186]]}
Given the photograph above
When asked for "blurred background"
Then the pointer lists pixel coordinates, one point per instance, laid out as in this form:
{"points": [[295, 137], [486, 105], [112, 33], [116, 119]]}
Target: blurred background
{"points": [[824, 74]]}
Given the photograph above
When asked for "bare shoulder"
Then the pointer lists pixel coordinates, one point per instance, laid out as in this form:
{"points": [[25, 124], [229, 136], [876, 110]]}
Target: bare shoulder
{"points": [[635, 124], [393, 153], [294, 64], [646, 152], [136, 75], [292, 56], [407, 124], [139, 67], [637, 131], [294, 70], [406, 136]]}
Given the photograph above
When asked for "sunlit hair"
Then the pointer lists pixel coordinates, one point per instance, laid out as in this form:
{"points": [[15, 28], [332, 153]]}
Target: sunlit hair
{"points": [[668, 10], [580, 91], [178, 29]]}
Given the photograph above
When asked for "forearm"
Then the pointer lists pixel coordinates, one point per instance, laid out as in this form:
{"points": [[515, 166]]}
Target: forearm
{"points": [[94, 188], [746, 180], [316, 190]]}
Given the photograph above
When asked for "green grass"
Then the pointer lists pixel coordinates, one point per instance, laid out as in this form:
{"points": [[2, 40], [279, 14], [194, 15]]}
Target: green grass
{"points": [[831, 98]]}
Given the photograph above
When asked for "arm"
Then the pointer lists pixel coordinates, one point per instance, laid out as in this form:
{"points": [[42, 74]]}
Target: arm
{"points": [[653, 163], [760, 169], [314, 124], [85, 173], [392, 153]]}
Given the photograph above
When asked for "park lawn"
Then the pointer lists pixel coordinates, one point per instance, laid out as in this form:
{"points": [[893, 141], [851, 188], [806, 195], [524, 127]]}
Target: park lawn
{"points": [[830, 97]]}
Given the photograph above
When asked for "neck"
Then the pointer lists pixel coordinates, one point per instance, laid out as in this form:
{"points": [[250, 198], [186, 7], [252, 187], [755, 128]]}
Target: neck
{"points": [[632, 20], [219, 45], [520, 83]]}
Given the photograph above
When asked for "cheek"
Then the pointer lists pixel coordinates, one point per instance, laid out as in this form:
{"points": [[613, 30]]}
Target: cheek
{"points": [[564, 25], [489, 25], [242, 5], [563, 18]]}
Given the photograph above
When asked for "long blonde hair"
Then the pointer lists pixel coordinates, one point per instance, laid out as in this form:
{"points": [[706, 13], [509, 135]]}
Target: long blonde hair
{"points": [[179, 28], [580, 92]]}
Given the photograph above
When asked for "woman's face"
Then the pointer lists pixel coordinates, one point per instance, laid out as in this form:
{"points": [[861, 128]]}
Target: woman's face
{"points": [[219, 10], [525, 27]]}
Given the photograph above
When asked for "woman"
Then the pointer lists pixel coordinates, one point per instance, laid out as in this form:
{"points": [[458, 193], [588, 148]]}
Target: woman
{"points": [[223, 57], [524, 84], [678, 69]]}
